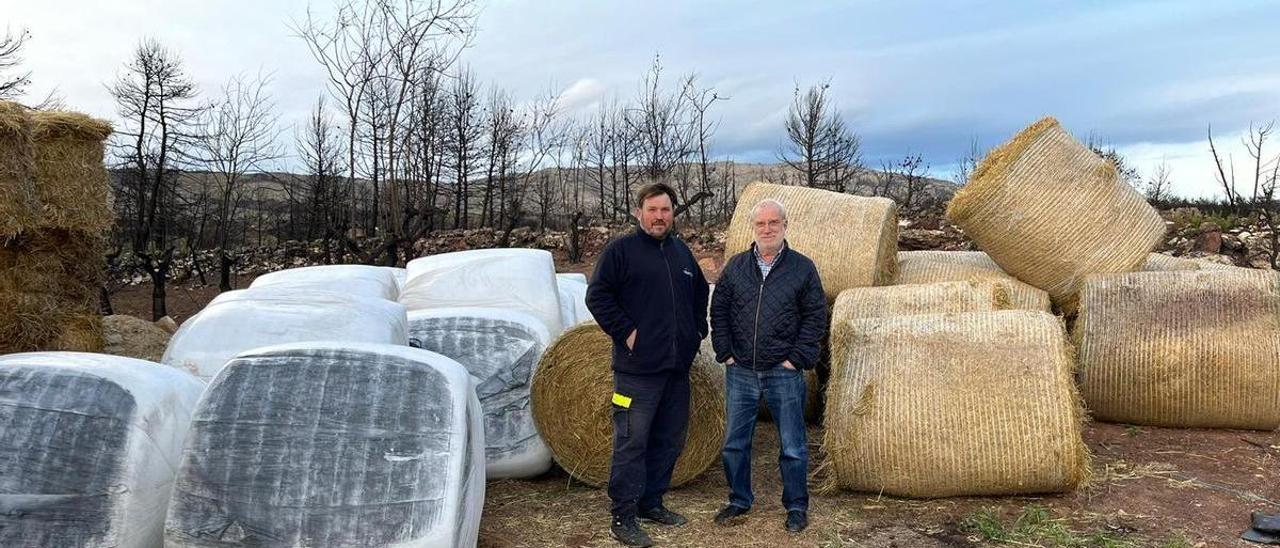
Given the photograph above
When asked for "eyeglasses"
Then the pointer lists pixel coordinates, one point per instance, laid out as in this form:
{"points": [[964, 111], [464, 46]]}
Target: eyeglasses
{"points": [[774, 223]]}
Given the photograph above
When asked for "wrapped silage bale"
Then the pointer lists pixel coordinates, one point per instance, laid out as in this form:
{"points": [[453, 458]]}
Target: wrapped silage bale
{"points": [[1186, 348], [236, 321], [1050, 212], [852, 240], [573, 301], [513, 279], [352, 279], [571, 392], [89, 446], [400, 275], [976, 403], [500, 348], [332, 444], [573, 277], [926, 267], [1159, 262]]}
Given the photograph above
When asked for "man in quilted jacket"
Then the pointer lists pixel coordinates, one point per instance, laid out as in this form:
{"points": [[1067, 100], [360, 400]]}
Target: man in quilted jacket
{"points": [[768, 315]]}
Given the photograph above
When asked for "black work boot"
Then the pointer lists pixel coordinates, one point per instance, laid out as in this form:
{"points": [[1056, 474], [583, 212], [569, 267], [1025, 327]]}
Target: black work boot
{"points": [[628, 532], [1266, 522], [660, 515], [797, 520], [1260, 537], [728, 513]]}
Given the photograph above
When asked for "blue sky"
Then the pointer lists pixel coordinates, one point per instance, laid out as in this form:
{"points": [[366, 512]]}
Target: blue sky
{"points": [[919, 77]]}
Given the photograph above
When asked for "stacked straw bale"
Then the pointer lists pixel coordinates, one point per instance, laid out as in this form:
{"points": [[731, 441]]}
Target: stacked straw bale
{"points": [[1050, 212], [926, 267], [51, 257], [851, 239], [571, 392], [979, 403], [1159, 262], [1185, 348]]}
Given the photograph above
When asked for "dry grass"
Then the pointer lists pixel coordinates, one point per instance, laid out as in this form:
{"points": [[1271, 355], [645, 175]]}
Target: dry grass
{"points": [[19, 203], [70, 177]]}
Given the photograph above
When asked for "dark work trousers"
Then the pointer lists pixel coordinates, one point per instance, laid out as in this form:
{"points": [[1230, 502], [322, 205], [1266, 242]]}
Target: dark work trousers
{"points": [[648, 435]]}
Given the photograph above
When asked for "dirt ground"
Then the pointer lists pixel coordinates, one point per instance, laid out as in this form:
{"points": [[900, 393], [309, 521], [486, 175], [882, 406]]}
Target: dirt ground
{"points": [[1151, 487]]}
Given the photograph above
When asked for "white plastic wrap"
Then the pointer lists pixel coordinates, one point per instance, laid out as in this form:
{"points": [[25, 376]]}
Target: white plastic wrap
{"points": [[89, 446], [352, 279], [332, 445], [236, 321], [513, 279], [573, 277], [500, 348], [573, 301], [401, 275]]}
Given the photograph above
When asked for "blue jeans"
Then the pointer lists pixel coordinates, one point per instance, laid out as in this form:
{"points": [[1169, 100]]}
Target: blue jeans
{"points": [[784, 394]]}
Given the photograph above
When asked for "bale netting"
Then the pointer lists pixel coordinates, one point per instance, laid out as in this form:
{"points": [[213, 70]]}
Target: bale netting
{"points": [[19, 203], [978, 403], [71, 179], [926, 267], [1160, 262], [1050, 212], [572, 408], [1187, 348], [851, 239]]}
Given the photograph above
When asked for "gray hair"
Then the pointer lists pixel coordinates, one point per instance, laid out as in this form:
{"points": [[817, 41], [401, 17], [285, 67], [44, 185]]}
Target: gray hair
{"points": [[769, 202]]}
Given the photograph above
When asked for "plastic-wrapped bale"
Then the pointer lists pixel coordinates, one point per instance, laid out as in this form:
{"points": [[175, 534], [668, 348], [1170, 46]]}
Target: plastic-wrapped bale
{"points": [[401, 276], [573, 277], [239, 320], [978, 403], [573, 301], [1050, 212], [572, 407], [19, 201], [514, 279], [352, 279], [89, 446], [1187, 348], [851, 239], [332, 445], [926, 267], [1157, 262], [500, 348]]}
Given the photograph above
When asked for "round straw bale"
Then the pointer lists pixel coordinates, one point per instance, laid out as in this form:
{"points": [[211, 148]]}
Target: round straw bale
{"points": [[926, 267], [71, 179], [1184, 348], [1159, 261], [79, 333], [851, 239], [571, 392], [19, 202], [27, 321], [1049, 211], [977, 403]]}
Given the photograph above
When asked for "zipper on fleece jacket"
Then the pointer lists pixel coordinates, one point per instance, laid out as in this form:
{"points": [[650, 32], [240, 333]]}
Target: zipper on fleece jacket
{"points": [[671, 284]]}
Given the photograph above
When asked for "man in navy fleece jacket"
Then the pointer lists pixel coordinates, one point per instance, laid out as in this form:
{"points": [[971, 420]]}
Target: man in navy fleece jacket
{"points": [[649, 295]]}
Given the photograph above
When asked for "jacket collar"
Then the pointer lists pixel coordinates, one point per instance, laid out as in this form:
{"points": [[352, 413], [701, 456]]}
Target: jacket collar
{"points": [[646, 237]]}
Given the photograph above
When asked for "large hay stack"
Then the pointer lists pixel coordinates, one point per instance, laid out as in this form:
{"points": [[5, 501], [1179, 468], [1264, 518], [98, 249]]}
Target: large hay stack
{"points": [[1187, 348], [53, 212], [927, 267], [1050, 212], [979, 403], [571, 407], [853, 240]]}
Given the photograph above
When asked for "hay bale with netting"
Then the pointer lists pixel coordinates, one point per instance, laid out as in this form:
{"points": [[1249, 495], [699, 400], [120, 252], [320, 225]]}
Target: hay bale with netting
{"points": [[1050, 212], [71, 179], [27, 321], [1186, 348], [571, 393], [78, 333], [912, 300], [851, 239], [1159, 262], [926, 267], [19, 203], [978, 403]]}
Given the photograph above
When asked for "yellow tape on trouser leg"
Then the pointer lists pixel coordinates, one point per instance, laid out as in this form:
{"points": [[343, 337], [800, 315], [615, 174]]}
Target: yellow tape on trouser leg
{"points": [[621, 401]]}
